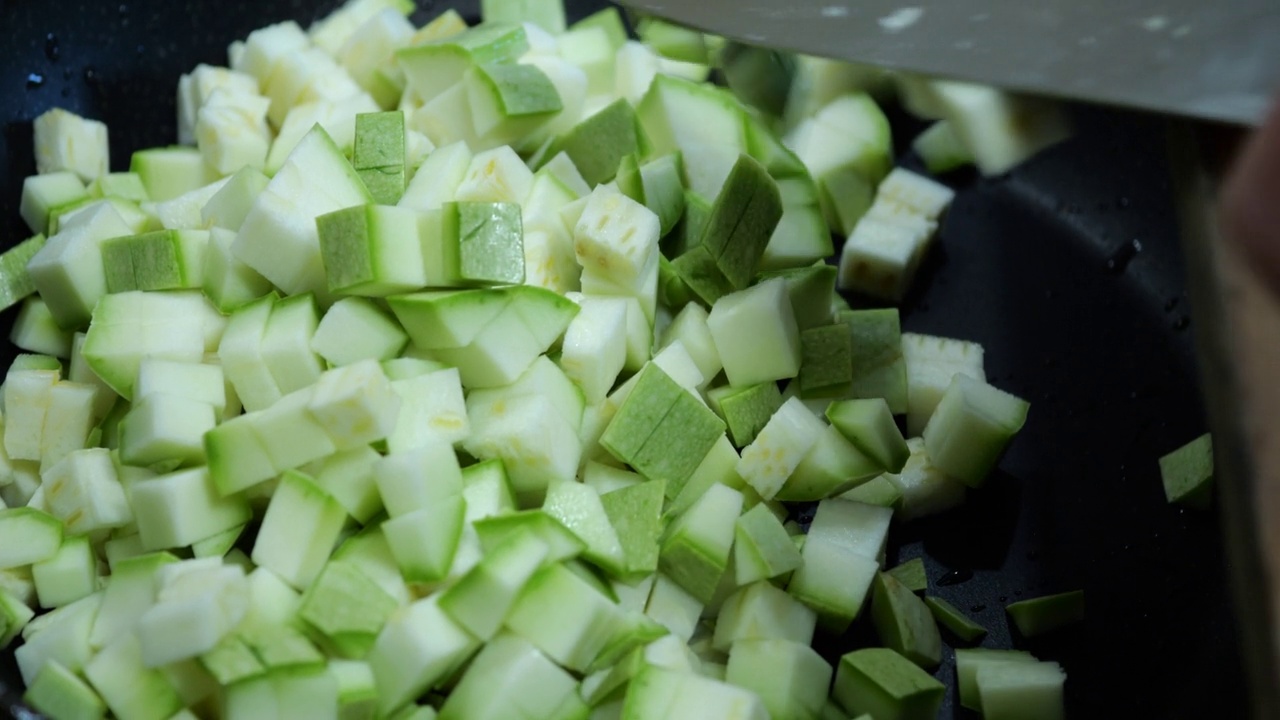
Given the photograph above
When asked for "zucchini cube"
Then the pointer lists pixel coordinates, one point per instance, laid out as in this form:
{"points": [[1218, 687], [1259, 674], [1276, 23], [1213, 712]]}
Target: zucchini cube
{"points": [[509, 100], [1037, 616], [904, 623], [826, 361], [347, 608], [58, 692], [424, 542], [178, 509], [83, 490], [163, 428], [695, 552], [883, 683], [970, 429], [371, 250], [512, 676], [615, 238], [745, 410], [1030, 690], [299, 529], [832, 466], [970, 660], [378, 155], [487, 248], [66, 141], [597, 144], [127, 685], [565, 617], [417, 649], [790, 678], [659, 692], [778, 449], [1187, 473], [661, 430], [562, 543], [69, 574], [756, 335], [42, 193], [580, 509], [762, 548], [869, 425], [635, 512], [68, 271]]}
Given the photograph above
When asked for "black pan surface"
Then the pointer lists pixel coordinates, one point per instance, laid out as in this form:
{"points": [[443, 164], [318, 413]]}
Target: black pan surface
{"points": [[1068, 271]]}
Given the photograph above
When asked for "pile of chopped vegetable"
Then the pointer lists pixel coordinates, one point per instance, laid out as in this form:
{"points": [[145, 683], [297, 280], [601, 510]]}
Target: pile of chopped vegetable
{"points": [[478, 372]]}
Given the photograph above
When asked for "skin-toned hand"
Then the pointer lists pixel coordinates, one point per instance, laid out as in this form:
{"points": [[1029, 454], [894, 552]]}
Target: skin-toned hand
{"points": [[1251, 200]]}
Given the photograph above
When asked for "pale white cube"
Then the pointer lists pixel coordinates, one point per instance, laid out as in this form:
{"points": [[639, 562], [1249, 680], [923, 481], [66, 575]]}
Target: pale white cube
{"points": [[615, 238], [881, 256], [779, 447], [432, 408], [196, 381], [497, 175], [66, 141], [355, 404], [164, 428], [83, 491], [27, 395], [595, 346]]}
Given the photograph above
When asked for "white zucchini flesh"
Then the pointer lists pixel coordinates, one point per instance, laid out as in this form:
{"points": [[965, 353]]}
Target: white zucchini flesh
{"points": [[66, 141]]}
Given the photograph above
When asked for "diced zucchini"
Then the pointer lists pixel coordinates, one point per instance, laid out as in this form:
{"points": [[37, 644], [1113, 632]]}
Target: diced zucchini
{"points": [[904, 623], [66, 141], [178, 509], [511, 675], [43, 194], [59, 693], [831, 467], [970, 660], [761, 316], [695, 552], [791, 679], [279, 238], [954, 620], [747, 410], [1037, 616], [299, 530], [762, 548], [779, 448], [68, 575], [129, 688], [661, 430], [941, 149], [371, 250], [67, 270], [922, 489], [565, 617], [885, 684], [971, 427], [482, 598], [636, 515], [869, 425], [1021, 690], [130, 326], [347, 608], [1187, 473], [931, 362], [1000, 129]]}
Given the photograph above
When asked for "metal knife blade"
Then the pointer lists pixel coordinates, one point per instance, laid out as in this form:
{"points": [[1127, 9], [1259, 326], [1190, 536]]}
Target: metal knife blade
{"points": [[1207, 60]]}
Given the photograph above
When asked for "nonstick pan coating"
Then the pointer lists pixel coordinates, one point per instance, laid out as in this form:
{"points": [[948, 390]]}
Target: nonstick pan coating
{"points": [[1043, 267]]}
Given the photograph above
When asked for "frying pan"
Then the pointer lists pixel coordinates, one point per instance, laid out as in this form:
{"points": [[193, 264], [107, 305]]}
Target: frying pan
{"points": [[1068, 270]]}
